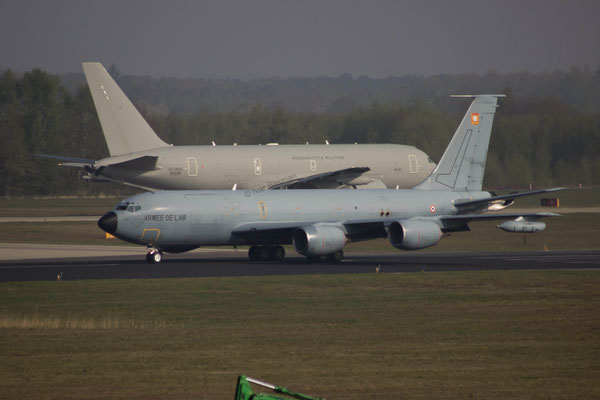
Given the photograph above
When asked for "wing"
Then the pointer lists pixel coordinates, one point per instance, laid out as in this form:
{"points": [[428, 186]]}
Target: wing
{"points": [[281, 232], [495, 203], [348, 177], [70, 161], [144, 163], [457, 223], [266, 232]]}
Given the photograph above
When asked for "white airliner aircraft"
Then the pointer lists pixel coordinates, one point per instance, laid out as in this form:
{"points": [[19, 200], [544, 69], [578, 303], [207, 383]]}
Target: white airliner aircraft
{"points": [[138, 157]]}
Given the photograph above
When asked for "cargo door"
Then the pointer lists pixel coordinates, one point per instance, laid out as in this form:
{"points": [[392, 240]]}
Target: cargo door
{"points": [[414, 166], [192, 166]]}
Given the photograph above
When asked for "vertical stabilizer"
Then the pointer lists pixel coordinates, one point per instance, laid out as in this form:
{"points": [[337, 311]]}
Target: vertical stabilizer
{"points": [[463, 163], [125, 130]]}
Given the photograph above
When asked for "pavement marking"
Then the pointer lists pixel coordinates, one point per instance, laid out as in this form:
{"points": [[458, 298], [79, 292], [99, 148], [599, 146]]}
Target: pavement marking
{"points": [[59, 265]]}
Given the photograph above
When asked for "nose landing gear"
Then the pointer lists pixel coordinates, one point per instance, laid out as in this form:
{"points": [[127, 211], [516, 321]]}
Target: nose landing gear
{"points": [[154, 255]]}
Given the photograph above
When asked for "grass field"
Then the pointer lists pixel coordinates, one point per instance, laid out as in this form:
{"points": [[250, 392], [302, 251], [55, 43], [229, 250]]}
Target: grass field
{"points": [[456, 335]]}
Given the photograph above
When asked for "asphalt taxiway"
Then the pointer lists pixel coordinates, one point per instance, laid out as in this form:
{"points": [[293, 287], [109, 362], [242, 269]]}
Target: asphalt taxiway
{"points": [[113, 262]]}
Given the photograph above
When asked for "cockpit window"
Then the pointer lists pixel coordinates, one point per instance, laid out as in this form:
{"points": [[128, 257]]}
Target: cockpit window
{"points": [[129, 207]]}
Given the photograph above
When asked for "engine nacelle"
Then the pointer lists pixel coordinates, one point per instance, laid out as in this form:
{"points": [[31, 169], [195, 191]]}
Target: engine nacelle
{"points": [[414, 235], [522, 225], [318, 240]]}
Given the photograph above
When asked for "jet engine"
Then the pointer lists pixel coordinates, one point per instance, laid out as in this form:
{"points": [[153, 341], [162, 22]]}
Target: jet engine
{"points": [[318, 240], [522, 225], [413, 235]]}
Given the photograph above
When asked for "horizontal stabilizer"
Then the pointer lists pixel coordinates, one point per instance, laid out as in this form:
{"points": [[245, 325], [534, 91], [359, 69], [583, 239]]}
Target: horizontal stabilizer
{"points": [[70, 161], [74, 164], [145, 163]]}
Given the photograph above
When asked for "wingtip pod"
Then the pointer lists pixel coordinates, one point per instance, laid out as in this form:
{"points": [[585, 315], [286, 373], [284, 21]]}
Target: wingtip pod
{"points": [[522, 226], [124, 128], [526, 224]]}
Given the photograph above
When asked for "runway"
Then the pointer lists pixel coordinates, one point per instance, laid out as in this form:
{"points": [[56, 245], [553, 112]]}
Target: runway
{"points": [[115, 262]]}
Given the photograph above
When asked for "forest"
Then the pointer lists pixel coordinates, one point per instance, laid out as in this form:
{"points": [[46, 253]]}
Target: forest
{"points": [[546, 131]]}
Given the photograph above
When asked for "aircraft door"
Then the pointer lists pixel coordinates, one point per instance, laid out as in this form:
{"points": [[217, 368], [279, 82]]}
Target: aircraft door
{"points": [[263, 209], [192, 166], [414, 166], [313, 165], [257, 166], [150, 236]]}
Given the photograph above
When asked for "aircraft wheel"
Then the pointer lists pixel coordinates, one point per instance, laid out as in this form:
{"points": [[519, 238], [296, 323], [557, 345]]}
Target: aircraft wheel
{"points": [[253, 253], [336, 257], [277, 253], [154, 256], [264, 253]]}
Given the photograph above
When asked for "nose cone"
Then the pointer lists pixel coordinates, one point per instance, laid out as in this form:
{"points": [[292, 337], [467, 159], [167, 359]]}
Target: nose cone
{"points": [[108, 223]]}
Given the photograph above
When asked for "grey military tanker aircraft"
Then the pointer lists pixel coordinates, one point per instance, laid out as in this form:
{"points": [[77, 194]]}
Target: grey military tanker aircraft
{"points": [[138, 157], [320, 222]]}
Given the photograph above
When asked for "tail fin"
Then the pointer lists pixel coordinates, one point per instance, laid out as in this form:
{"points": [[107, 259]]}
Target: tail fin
{"points": [[463, 163], [125, 130]]}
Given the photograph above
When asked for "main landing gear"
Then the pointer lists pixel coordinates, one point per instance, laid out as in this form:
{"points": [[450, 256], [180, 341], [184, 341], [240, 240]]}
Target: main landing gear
{"points": [[266, 253], [331, 258], [154, 255]]}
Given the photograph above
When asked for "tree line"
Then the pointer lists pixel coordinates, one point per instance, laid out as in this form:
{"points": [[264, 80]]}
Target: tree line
{"points": [[537, 140], [578, 87]]}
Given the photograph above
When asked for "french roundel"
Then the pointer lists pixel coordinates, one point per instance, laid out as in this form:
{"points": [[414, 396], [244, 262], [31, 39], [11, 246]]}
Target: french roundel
{"points": [[432, 208]]}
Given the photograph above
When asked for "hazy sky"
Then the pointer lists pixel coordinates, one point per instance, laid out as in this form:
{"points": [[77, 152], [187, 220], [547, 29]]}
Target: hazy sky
{"points": [[264, 38]]}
